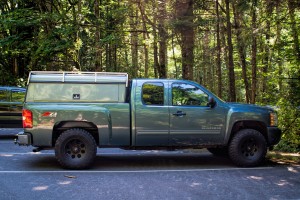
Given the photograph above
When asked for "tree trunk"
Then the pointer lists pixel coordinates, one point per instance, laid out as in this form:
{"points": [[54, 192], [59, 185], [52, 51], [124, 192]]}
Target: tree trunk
{"points": [[174, 57], [224, 52], [266, 61], [279, 43], [231, 75], [219, 68], [162, 33], [292, 5], [241, 48], [146, 36], [207, 64], [15, 67], [75, 36], [187, 53], [98, 57], [134, 43], [155, 54], [253, 53], [78, 35], [155, 47], [184, 14]]}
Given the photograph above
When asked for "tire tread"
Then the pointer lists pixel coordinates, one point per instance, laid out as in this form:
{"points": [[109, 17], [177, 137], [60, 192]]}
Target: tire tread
{"points": [[236, 156], [79, 133]]}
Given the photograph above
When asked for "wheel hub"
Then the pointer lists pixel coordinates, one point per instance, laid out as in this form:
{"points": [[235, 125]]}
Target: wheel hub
{"points": [[249, 148], [75, 149]]}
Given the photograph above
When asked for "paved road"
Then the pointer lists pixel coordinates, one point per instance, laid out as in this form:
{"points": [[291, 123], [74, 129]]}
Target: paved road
{"points": [[119, 174]]}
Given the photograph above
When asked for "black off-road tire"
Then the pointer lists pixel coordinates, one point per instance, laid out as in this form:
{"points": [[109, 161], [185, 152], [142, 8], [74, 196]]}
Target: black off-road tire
{"points": [[219, 151], [247, 148], [75, 149]]}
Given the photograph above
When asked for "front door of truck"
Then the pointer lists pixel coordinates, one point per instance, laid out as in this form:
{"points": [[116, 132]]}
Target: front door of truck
{"points": [[192, 121], [151, 114]]}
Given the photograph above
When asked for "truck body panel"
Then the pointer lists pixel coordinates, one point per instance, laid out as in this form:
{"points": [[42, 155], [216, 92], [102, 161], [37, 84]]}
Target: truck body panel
{"points": [[114, 132]]}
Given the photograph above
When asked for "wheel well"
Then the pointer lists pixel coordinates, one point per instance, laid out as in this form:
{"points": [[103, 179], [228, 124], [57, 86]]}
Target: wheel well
{"points": [[62, 126], [256, 125]]}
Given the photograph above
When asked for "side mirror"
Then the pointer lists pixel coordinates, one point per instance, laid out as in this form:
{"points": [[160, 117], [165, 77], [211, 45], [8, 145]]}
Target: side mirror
{"points": [[211, 102]]}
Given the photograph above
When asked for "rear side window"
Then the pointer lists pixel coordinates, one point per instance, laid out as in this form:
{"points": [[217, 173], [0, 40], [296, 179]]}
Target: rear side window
{"points": [[17, 95], [153, 94], [3, 95]]}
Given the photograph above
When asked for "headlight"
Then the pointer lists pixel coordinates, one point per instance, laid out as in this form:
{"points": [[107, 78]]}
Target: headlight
{"points": [[273, 119]]}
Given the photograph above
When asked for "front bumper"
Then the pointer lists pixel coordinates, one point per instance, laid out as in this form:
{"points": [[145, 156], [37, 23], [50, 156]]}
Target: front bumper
{"points": [[274, 135], [23, 139]]}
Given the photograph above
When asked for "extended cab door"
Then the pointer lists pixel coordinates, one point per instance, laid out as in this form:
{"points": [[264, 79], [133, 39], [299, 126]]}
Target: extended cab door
{"points": [[192, 121], [150, 113]]}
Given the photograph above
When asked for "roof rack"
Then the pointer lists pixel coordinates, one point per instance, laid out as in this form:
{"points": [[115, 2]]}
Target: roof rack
{"points": [[77, 77]]}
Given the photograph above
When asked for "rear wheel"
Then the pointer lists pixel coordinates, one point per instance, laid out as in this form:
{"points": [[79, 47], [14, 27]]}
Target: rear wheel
{"points": [[75, 149], [248, 148]]}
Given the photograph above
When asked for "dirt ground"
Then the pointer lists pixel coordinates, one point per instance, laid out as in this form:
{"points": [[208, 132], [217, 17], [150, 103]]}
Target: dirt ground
{"points": [[284, 158]]}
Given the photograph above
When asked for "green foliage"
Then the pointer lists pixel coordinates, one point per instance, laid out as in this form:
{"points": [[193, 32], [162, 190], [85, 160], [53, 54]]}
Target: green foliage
{"points": [[289, 113], [289, 119], [99, 35]]}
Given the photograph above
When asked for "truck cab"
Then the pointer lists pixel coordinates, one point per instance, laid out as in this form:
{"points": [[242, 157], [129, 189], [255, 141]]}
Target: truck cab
{"points": [[176, 113]]}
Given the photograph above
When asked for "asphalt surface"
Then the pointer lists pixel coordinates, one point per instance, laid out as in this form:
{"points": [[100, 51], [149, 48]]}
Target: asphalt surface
{"points": [[119, 174]]}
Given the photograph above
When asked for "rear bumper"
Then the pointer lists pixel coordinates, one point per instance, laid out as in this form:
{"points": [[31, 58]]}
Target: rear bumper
{"points": [[274, 135], [23, 138]]}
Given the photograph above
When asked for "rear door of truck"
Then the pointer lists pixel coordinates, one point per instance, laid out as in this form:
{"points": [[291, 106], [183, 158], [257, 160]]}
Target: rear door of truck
{"points": [[150, 113]]}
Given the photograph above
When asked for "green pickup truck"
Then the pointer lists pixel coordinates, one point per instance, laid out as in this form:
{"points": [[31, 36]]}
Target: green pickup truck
{"points": [[76, 112]]}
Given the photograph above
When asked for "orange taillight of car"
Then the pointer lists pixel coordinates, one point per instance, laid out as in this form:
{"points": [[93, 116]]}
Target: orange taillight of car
{"points": [[27, 118]]}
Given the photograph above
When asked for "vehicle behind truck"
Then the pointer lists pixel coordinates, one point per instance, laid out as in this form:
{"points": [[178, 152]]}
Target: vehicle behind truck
{"points": [[76, 112], [11, 102]]}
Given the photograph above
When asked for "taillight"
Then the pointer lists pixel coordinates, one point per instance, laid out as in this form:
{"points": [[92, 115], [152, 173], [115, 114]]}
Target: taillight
{"points": [[27, 118]]}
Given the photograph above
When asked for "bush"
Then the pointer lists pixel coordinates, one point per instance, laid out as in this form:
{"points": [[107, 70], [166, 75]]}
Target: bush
{"points": [[289, 116]]}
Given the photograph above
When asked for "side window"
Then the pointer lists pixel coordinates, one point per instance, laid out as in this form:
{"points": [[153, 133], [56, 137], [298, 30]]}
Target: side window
{"points": [[17, 96], [3, 96], [188, 95], [153, 94]]}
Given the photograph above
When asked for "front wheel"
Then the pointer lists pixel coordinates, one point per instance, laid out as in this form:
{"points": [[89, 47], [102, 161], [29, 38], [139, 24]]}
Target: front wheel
{"points": [[75, 149], [248, 148]]}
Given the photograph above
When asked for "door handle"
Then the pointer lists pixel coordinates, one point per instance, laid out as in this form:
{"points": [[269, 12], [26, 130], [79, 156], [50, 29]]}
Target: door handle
{"points": [[179, 114]]}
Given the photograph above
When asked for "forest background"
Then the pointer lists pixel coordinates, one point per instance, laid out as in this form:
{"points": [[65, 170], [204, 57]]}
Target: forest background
{"points": [[243, 50]]}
